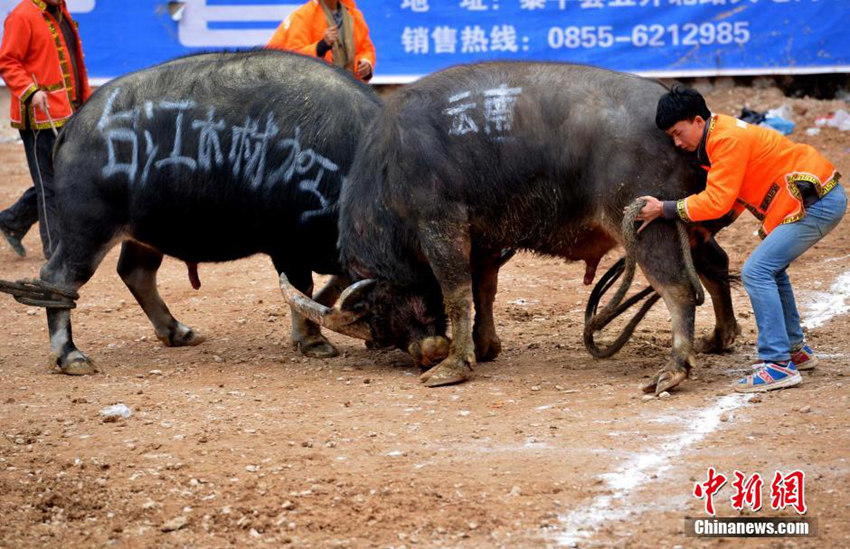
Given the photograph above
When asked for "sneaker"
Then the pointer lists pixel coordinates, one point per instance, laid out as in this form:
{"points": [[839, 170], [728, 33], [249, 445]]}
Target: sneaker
{"points": [[804, 358], [13, 240], [769, 376]]}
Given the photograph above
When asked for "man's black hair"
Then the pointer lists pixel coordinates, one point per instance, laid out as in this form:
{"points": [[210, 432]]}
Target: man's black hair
{"points": [[680, 103]]}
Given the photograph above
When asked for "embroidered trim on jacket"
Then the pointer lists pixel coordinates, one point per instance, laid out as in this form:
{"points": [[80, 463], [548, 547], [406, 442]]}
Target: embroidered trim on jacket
{"points": [[682, 210]]}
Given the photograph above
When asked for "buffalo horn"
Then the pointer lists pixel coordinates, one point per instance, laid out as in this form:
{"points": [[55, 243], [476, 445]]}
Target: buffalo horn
{"points": [[351, 298], [341, 321]]}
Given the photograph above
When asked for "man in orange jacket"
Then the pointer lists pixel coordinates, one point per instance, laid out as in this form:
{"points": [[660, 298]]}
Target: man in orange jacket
{"points": [[333, 30], [790, 187], [41, 61]]}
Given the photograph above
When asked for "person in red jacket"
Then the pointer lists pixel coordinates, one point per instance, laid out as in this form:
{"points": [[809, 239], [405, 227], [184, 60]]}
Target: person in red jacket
{"points": [[333, 30], [789, 186], [41, 61]]}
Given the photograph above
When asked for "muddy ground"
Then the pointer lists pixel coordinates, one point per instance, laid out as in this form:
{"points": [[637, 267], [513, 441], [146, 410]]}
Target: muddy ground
{"points": [[241, 442]]}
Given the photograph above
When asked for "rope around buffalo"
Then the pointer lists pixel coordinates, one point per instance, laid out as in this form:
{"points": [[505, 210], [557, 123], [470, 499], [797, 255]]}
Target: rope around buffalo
{"points": [[630, 240], [596, 321], [38, 293]]}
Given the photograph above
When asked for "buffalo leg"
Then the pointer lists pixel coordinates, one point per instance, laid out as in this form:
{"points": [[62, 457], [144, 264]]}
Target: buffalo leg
{"points": [[446, 245], [137, 267], [485, 280], [660, 257], [306, 335], [70, 272], [712, 264]]}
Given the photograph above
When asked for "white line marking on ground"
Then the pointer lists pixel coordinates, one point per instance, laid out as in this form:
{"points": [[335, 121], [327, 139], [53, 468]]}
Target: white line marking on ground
{"points": [[582, 523], [822, 306]]}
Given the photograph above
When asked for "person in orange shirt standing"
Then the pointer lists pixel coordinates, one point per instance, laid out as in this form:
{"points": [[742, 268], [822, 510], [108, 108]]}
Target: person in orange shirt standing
{"points": [[41, 61], [790, 187], [333, 30]]}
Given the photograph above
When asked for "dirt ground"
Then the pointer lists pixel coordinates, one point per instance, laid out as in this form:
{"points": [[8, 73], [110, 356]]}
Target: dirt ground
{"points": [[241, 442]]}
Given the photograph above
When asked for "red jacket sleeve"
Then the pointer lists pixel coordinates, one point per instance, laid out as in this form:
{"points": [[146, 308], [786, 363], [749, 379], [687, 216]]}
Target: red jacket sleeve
{"points": [[293, 34], [84, 74], [364, 48], [86, 89], [16, 40], [729, 159]]}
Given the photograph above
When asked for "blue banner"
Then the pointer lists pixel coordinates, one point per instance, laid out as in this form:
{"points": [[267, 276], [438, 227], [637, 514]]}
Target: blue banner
{"points": [[417, 37]]}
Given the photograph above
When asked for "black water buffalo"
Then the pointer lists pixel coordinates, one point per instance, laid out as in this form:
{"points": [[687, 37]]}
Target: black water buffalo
{"points": [[478, 159], [206, 158]]}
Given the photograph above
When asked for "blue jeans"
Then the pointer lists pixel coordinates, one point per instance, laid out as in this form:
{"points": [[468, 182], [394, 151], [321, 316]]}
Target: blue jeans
{"points": [[766, 280]]}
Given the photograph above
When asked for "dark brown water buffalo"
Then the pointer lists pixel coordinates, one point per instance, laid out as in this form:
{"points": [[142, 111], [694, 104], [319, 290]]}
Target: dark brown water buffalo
{"points": [[207, 158], [478, 159]]}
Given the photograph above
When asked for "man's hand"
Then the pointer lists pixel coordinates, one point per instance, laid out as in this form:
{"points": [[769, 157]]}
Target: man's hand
{"points": [[364, 70], [39, 100], [331, 36], [650, 212]]}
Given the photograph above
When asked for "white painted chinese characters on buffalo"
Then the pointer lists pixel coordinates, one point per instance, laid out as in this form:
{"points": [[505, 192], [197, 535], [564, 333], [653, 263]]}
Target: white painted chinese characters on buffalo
{"points": [[258, 154], [497, 112]]}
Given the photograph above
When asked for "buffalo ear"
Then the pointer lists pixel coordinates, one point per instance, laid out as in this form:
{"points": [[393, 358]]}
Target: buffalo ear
{"points": [[355, 298]]}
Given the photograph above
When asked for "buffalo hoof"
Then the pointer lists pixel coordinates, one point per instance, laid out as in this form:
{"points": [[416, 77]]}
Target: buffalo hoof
{"points": [[317, 348], [182, 336], [487, 349], [665, 380], [430, 351], [77, 364], [718, 341], [447, 372]]}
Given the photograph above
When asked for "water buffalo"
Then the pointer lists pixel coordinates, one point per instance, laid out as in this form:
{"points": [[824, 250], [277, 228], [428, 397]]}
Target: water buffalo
{"points": [[211, 157], [479, 159]]}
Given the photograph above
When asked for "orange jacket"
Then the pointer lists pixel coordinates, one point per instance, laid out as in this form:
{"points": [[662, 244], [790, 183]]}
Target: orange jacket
{"points": [[33, 44], [756, 168], [302, 30]]}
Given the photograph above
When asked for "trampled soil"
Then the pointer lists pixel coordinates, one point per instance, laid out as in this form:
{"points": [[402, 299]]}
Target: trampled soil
{"points": [[242, 442]]}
